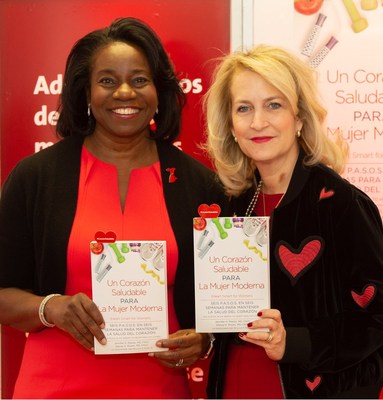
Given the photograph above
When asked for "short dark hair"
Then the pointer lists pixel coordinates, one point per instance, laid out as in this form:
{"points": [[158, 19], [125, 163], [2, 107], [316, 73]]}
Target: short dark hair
{"points": [[74, 120]]}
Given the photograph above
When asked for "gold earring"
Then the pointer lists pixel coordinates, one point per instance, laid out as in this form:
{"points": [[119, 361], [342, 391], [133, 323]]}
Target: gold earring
{"points": [[298, 133]]}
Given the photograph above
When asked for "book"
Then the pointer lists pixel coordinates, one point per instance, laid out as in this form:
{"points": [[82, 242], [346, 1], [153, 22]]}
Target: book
{"points": [[232, 273], [129, 286]]}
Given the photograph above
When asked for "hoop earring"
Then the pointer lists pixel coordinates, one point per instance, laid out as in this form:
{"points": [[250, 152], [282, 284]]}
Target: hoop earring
{"points": [[298, 133]]}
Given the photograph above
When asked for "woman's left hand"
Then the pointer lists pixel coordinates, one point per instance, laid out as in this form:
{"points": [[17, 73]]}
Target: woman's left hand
{"points": [[185, 348], [273, 340]]}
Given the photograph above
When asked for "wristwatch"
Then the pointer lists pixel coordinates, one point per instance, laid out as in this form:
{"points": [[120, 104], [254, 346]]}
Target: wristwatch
{"points": [[207, 355]]}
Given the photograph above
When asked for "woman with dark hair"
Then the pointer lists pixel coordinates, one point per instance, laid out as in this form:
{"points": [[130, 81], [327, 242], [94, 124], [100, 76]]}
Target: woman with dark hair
{"points": [[74, 118], [115, 169]]}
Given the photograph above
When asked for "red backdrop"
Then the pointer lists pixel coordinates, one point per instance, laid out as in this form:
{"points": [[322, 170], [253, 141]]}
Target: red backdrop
{"points": [[35, 38]]}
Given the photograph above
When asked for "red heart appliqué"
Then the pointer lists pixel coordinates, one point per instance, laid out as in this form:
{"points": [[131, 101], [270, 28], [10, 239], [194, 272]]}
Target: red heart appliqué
{"points": [[211, 211], [325, 194], [312, 385], [102, 237], [295, 262], [364, 299]]}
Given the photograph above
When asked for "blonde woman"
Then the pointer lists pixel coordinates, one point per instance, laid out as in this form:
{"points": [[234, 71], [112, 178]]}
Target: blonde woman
{"points": [[322, 337]]}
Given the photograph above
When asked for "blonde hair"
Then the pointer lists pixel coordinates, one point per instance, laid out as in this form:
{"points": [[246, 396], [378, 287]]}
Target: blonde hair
{"points": [[296, 81]]}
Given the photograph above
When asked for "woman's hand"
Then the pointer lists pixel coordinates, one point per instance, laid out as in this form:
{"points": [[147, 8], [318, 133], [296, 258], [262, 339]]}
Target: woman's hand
{"points": [[185, 348], [78, 316], [274, 339]]}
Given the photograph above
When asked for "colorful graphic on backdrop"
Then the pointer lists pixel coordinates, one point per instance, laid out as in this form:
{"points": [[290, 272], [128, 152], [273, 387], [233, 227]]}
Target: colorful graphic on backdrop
{"points": [[340, 39]]}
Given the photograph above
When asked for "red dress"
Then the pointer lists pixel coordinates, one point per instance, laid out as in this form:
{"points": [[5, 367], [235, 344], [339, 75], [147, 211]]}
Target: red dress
{"points": [[54, 365], [250, 373]]}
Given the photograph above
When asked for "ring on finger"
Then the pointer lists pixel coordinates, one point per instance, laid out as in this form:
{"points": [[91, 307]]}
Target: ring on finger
{"points": [[180, 362], [270, 337]]}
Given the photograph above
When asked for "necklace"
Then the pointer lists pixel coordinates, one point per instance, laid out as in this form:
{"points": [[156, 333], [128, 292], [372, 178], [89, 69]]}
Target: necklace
{"points": [[253, 201]]}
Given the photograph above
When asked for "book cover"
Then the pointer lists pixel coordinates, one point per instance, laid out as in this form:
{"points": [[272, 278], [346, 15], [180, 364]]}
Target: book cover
{"points": [[130, 289], [232, 277]]}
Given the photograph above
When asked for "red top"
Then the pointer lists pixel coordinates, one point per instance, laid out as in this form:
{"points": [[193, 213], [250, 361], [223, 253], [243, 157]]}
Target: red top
{"points": [[250, 372], [54, 365]]}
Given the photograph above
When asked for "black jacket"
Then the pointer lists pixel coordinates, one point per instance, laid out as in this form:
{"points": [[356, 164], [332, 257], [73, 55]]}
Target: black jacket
{"points": [[37, 210], [326, 262]]}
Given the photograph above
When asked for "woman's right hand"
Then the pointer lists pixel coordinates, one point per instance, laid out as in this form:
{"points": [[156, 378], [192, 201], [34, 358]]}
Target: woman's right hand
{"points": [[79, 316]]}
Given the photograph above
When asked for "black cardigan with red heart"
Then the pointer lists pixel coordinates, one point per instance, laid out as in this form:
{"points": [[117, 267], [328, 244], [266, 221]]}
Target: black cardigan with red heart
{"points": [[326, 261]]}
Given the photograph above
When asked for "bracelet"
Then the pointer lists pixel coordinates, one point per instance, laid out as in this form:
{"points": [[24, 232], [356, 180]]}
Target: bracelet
{"points": [[42, 308], [207, 355]]}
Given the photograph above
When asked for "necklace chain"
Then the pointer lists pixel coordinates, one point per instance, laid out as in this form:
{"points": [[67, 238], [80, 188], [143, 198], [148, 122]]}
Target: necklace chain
{"points": [[254, 200]]}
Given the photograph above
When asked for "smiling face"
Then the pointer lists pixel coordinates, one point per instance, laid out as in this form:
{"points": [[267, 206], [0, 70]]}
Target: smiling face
{"points": [[263, 121], [123, 97]]}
